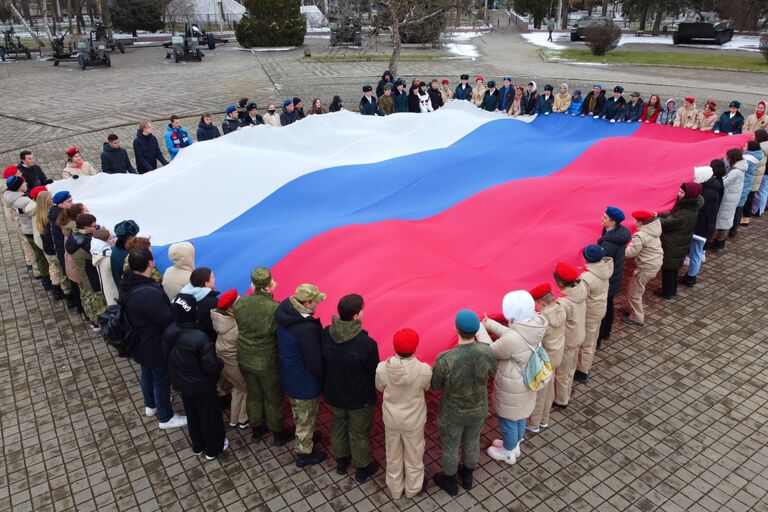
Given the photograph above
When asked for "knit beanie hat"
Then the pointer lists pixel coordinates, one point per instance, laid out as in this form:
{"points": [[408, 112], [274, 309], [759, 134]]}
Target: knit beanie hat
{"points": [[14, 183], [518, 306], [593, 253], [184, 308], [692, 189], [702, 173]]}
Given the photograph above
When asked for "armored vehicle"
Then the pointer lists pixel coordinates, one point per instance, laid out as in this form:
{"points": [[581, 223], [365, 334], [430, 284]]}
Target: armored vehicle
{"points": [[346, 31], [12, 46], [703, 27], [580, 27]]}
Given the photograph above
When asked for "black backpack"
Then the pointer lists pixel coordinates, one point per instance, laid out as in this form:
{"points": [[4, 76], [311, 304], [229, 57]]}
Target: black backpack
{"points": [[115, 327]]}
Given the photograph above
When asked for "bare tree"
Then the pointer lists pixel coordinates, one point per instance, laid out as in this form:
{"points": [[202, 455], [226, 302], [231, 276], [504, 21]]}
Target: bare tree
{"points": [[403, 13], [179, 11]]}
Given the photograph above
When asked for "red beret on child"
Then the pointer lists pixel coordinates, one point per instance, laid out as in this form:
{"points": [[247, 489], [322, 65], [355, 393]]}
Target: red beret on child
{"points": [[540, 291], [72, 151], [690, 99], [9, 171], [479, 79], [33, 193], [643, 215], [226, 299], [405, 341], [566, 272], [445, 81]]}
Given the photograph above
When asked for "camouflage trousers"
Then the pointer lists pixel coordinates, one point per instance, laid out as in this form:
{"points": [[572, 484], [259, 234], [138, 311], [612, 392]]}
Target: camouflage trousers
{"points": [[58, 277], [454, 431], [351, 434], [93, 303], [305, 418], [264, 396], [40, 262]]}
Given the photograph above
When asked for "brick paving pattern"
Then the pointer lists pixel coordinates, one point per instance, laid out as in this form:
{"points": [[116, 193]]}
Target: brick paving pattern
{"points": [[672, 419]]}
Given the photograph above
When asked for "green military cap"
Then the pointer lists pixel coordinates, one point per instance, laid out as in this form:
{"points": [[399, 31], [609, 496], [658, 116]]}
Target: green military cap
{"points": [[636, 94], [261, 277], [309, 292]]}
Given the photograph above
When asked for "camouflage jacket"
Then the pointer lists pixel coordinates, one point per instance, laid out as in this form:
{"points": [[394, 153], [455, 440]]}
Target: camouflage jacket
{"points": [[257, 338], [462, 374]]}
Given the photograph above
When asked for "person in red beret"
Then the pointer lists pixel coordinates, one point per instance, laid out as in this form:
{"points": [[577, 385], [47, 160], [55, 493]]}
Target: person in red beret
{"points": [[554, 344], [445, 91], [225, 325], [686, 116], [402, 379], [76, 166], [574, 302], [645, 248], [479, 92]]}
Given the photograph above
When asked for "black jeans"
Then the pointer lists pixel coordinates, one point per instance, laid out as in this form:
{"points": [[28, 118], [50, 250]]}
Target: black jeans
{"points": [[736, 220], [668, 283], [205, 422], [607, 323]]}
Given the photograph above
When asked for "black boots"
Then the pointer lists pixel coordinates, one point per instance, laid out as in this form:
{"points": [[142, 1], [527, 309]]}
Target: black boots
{"points": [[282, 437], [447, 483], [342, 464], [689, 281], [363, 474], [467, 480], [71, 301], [581, 377], [309, 459], [718, 245], [57, 292], [46, 282], [257, 433]]}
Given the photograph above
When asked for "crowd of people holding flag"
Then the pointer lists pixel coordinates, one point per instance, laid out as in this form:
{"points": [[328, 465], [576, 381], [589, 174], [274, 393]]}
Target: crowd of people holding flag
{"points": [[207, 345]]}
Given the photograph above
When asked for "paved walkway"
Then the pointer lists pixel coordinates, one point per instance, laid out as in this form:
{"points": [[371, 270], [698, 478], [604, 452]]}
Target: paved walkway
{"points": [[673, 418]]}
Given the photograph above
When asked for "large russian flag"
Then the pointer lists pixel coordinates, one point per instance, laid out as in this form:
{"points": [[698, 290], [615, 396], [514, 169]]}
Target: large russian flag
{"points": [[420, 214]]}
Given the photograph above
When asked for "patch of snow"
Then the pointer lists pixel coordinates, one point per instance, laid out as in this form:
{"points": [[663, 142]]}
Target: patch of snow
{"points": [[746, 43], [316, 37], [463, 50], [275, 49], [540, 39]]}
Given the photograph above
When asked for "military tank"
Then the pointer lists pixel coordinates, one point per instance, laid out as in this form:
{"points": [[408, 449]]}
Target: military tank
{"points": [[703, 28]]}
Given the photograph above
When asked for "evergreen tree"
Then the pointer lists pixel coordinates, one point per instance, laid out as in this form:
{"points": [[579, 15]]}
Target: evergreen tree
{"points": [[133, 15], [271, 23]]}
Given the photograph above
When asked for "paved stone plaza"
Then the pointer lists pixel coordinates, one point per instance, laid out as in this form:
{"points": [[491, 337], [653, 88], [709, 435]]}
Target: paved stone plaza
{"points": [[673, 418]]}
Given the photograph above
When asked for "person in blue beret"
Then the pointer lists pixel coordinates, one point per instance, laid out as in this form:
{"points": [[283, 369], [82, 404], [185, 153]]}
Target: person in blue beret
{"points": [[614, 240]]}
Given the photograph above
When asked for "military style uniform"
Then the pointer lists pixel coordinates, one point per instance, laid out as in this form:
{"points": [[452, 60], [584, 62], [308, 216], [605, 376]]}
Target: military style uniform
{"points": [[257, 358], [462, 374]]}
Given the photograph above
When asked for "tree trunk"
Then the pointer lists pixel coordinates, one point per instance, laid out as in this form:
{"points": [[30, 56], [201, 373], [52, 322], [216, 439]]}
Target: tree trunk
{"points": [[643, 18], [605, 8], [394, 59], [657, 22], [559, 13], [589, 9], [79, 16], [564, 15], [44, 9], [24, 22]]}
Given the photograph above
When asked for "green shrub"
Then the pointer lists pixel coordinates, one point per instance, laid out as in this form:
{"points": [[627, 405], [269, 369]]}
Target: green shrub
{"points": [[271, 23]]}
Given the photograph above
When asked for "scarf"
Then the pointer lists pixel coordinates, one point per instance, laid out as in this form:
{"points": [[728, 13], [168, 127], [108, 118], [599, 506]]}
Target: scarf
{"points": [[760, 114], [651, 111], [298, 306]]}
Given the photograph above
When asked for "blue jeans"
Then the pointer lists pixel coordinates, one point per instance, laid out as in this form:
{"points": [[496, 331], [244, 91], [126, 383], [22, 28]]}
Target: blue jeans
{"points": [[156, 389], [513, 432], [695, 254]]}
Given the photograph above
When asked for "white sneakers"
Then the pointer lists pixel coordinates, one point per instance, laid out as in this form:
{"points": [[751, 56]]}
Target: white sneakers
{"points": [[501, 455], [149, 411], [226, 445], [177, 420]]}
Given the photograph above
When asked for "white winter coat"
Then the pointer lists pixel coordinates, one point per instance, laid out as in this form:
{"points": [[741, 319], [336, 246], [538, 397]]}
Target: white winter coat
{"points": [[733, 183]]}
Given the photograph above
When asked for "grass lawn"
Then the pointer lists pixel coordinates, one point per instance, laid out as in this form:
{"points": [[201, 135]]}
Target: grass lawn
{"points": [[754, 62], [376, 57]]}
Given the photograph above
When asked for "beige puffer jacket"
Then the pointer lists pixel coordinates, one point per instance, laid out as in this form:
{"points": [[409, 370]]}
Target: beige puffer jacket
{"points": [[403, 383], [760, 170], [574, 302], [686, 117], [512, 398], [554, 338], [182, 255], [225, 326], [645, 247], [596, 277], [85, 169]]}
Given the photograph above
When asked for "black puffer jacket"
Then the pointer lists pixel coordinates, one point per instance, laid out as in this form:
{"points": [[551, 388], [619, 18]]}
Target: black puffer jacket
{"points": [[192, 362], [712, 192], [149, 313], [147, 152], [204, 308], [115, 161], [351, 358], [614, 243], [57, 236]]}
